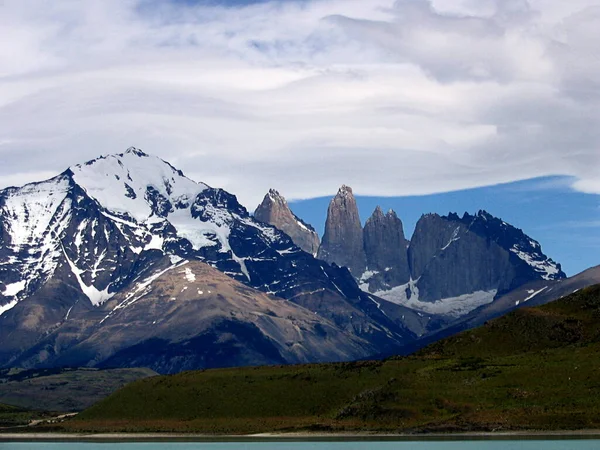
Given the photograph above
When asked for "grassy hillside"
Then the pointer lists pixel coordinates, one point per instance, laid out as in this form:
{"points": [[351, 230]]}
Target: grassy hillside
{"points": [[574, 319], [14, 416], [533, 369]]}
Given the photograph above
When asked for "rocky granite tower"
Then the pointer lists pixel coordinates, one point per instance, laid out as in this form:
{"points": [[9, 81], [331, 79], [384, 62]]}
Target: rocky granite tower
{"points": [[386, 251], [275, 211], [455, 263], [343, 239]]}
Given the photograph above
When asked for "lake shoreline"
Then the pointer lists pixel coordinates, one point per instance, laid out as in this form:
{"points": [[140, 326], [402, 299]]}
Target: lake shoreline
{"points": [[298, 437]]}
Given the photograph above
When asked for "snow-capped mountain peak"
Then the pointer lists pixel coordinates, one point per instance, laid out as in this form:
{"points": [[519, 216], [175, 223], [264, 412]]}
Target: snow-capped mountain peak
{"points": [[136, 184], [91, 221], [95, 222]]}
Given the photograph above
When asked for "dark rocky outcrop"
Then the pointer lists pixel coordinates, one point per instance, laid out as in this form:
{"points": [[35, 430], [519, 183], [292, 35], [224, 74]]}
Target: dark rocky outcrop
{"points": [[275, 211], [386, 251], [343, 239], [452, 256]]}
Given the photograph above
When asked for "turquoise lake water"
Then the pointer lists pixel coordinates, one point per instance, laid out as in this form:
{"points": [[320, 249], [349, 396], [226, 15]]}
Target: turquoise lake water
{"points": [[405, 445]]}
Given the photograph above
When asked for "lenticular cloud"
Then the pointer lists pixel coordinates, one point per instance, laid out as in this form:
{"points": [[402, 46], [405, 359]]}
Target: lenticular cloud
{"points": [[405, 97]]}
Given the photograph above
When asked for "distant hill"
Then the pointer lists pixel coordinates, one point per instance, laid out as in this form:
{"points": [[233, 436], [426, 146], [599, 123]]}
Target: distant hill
{"points": [[536, 368], [63, 390], [573, 320], [535, 293]]}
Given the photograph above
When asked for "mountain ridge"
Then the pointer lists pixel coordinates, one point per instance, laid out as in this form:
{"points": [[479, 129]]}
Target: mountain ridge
{"points": [[73, 242], [450, 265]]}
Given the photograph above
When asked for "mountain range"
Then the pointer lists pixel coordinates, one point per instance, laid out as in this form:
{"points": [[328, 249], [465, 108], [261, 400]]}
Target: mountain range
{"points": [[533, 370], [451, 265], [85, 255], [124, 261]]}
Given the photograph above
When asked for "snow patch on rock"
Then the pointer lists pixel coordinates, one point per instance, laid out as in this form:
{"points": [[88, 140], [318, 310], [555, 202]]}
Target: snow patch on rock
{"points": [[546, 267], [9, 305], [408, 295], [189, 275]]}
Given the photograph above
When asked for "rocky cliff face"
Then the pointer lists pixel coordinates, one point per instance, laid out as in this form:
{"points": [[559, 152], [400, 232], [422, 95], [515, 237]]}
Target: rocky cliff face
{"points": [[343, 239], [449, 261], [275, 211], [451, 266], [461, 263], [386, 252], [451, 256]]}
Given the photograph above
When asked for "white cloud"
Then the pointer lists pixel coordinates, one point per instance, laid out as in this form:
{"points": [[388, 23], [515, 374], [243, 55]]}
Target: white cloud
{"points": [[393, 98]]}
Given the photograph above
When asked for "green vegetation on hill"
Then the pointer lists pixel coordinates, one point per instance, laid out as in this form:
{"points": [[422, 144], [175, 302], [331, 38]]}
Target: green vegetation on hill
{"points": [[536, 368], [12, 417], [572, 320]]}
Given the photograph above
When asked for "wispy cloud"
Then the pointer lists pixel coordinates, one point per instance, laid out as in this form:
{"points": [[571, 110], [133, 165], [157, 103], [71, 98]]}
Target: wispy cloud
{"points": [[396, 98]]}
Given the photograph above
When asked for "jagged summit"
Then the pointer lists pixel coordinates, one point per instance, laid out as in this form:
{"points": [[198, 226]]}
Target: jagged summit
{"points": [[469, 261], [455, 263], [275, 196], [377, 213], [343, 239], [274, 210], [385, 248], [137, 152], [345, 190]]}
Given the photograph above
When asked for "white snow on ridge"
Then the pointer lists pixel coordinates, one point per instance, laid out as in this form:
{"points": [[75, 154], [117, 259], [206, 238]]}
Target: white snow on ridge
{"points": [[268, 231], [156, 243], [29, 211], [143, 288], [547, 268], [37, 215], [9, 305], [454, 238], [96, 296], [199, 232], [14, 289], [189, 275], [302, 226], [365, 277], [34, 216], [112, 180], [534, 293]]}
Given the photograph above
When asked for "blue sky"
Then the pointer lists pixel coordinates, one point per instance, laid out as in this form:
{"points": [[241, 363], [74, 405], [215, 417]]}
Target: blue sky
{"points": [[565, 222]]}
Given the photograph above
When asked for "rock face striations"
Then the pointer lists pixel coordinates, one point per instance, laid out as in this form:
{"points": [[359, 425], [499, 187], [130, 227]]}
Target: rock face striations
{"points": [[451, 266], [343, 238], [275, 211], [453, 256], [386, 251]]}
